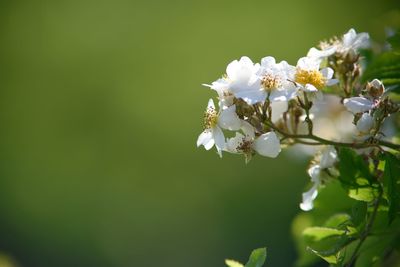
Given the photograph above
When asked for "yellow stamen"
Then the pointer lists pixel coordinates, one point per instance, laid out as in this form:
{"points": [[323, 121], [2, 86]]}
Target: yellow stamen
{"points": [[210, 118], [313, 77], [270, 82]]}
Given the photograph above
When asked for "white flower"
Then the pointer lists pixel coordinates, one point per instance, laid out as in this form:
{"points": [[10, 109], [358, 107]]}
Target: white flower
{"points": [[267, 144], [365, 123], [310, 78], [240, 78], [309, 196], [221, 86], [358, 104], [328, 157], [274, 81], [326, 160], [213, 122], [353, 41]]}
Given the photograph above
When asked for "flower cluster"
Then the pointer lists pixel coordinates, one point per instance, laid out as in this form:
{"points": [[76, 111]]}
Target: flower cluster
{"points": [[263, 107]]}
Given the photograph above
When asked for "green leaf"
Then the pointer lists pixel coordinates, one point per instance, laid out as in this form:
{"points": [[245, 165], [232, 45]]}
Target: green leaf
{"points": [[337, 220], [366, 194], [352, 166], [331, 249], [232, 263], [318, 233], [331, 259], [391, 178], [257, 258]]}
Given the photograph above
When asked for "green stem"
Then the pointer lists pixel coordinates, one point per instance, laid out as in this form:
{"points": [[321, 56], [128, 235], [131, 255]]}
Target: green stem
{"points": [[366, 231], [307, 109], [322, 141]]}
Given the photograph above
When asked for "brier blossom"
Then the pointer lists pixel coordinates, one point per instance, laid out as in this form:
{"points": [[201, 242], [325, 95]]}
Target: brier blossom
{"points": [[240, 80], [213, 122], [271, 105], [274, 82], [350, 43], [365, 105], [326, 160], [360, 104], [310, 78], [267, 144]]}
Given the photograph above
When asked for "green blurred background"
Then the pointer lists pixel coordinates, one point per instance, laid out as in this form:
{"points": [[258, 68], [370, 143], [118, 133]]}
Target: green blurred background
{"points": [[101, 104]]}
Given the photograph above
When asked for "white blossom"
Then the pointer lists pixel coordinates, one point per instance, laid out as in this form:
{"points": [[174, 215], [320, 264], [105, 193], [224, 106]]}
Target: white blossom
{"points": [[326, 160], [365, 123], [213, 122], [354, 41], [310, 78], [275, 81], [267, 144]]}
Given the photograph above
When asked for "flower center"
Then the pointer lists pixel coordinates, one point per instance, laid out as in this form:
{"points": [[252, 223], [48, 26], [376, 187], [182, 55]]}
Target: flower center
{"points": [[210, 118], [245, 146], [313, 77], [270, 82]]}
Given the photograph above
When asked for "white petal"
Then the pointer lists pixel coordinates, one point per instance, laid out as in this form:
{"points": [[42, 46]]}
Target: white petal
{"points": [[352, 40], [308, 198], [310, 88], [358, 104], [233, 143], [251, 94], [219, 139], [248, 129], [307, 63], [362, 41], [208, 145], [349, 37], [232, 69], [278, 95], [327, 73], [267, 145], [328, 158], [268, 62], [321, 54], [204, 138], [365, 123], [314, 172], [211, 104], [228, 119], [331, 82], [278, 108]]}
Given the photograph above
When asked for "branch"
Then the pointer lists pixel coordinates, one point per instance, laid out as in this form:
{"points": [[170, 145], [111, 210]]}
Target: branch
{"points": [[322, 141]]}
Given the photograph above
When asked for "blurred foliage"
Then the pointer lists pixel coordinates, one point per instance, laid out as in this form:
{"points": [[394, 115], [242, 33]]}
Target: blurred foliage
{"points": [[98, 103]]}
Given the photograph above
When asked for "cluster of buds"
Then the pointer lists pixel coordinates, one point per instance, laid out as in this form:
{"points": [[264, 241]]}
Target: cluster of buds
{"points": [[270, 105]]}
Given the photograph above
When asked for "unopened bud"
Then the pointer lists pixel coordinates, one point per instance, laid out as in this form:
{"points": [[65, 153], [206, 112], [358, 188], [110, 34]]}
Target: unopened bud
{"points": [[351, 56], [243, 109], [375, 88]]}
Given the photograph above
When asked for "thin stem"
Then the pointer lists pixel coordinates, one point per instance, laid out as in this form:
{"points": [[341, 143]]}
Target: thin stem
{"points": [[323, 141], [307, 107], [366, 231]]}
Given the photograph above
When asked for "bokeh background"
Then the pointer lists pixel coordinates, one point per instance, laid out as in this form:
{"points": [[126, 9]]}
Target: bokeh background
{"points": [[100, 106]]}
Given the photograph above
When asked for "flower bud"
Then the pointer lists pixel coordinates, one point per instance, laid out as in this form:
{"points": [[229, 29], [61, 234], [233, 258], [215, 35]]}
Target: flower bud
{"points": [[352, 56], [243, 109], [375, 88]]}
